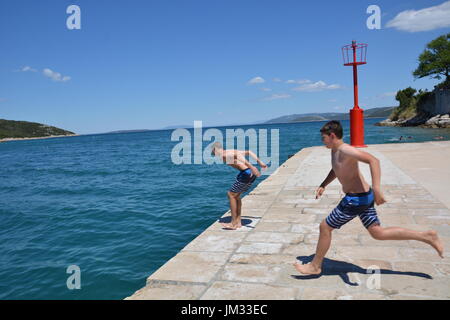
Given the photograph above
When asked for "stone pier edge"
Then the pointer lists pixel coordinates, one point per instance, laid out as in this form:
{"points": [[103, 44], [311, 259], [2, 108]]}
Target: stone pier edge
{"points": [[275, 188]]}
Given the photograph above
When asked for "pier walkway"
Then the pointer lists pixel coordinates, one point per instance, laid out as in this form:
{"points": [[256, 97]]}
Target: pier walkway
{"points": [[281, 223]]}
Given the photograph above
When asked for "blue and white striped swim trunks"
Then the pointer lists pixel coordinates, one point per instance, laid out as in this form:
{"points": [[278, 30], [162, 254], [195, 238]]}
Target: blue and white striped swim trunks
{"points": [[352, 205], [244, 180]]}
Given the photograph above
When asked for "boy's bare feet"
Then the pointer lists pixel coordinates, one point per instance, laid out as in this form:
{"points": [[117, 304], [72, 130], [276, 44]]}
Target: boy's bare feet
{"points": [[307, 268], [231, 226], [434, 241]]}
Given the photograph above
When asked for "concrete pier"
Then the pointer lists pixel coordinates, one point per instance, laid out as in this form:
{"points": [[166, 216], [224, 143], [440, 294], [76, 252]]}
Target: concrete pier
{"points": [[281, 224]]}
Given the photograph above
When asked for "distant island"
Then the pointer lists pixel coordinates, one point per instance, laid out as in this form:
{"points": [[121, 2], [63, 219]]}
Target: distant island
{"points": [[16, 130], [382, 112], [126, 131], [181, 126]]}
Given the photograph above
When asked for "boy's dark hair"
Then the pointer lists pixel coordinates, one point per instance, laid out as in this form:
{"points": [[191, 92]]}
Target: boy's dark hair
{"points": [[333, 126]]}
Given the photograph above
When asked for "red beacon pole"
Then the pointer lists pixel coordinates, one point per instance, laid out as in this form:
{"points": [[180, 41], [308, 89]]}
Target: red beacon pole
{"points": [[358, 52]]}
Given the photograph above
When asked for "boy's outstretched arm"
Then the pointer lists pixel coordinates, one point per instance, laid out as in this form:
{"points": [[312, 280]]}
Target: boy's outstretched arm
{"points": [[253, 168], [241, 157], [375, 170], [254, 156], [330, 177]]}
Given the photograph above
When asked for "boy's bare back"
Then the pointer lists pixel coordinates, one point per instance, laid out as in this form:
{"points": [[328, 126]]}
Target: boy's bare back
{"points": [[235, 159]]}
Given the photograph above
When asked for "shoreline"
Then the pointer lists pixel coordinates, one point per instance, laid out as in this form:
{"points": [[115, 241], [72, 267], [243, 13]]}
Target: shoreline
{"points": [[440, 121], [34, 138]]}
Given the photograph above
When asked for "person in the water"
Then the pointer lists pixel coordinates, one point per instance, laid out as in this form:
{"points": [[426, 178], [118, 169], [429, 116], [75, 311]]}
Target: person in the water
{"points": [[359, 200], [247, 175]]}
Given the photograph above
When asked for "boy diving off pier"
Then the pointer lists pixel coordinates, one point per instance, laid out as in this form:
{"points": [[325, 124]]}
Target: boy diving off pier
{"points": [[358, 201], [247, 175]]}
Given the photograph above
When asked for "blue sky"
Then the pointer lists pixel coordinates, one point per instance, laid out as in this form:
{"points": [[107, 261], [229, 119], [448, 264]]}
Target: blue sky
{"points": [[150, 64]]}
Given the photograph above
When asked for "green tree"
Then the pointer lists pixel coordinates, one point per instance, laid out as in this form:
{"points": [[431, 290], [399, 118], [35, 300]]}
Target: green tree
{"points": [[405, 96], [407, 104], [434, 61]]}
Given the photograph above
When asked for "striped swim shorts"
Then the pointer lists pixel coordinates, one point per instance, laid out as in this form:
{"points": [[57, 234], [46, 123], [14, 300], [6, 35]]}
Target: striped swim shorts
{"points": [[244, 180], [352, 205]]}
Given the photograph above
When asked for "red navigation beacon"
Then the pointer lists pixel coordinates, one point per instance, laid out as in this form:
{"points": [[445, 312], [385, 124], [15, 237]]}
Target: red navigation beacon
{"points": [[355, 54]]}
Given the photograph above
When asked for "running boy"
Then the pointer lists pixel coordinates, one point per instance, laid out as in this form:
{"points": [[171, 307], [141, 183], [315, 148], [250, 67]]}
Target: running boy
{"points": [[358, 201], [247, 175]]}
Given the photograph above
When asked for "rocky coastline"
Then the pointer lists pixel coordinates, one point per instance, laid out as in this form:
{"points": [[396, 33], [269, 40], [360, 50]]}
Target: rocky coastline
{"points": [[33, 138], [421, 120]]}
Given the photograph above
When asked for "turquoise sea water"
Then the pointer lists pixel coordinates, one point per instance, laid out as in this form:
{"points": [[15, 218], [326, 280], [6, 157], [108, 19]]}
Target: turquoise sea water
{"points": [[117, 207]]}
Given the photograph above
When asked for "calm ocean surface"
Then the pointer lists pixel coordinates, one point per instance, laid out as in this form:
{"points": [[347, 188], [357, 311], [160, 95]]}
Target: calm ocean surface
{"points": [[116, 206]]}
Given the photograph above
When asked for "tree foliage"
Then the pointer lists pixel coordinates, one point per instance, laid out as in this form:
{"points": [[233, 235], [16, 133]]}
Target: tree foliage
{"points": [[407, 99], [434, 61]]}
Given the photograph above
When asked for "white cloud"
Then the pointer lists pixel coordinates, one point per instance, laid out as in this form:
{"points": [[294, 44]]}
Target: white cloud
{"points": [[266, 89], [302, 81], [55, 76], [25, 69], [276, 79], [317, 86], [422, 20], [256, 80], [276, 96]]}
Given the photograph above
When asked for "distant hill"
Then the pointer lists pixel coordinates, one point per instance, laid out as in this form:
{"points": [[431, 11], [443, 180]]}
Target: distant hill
{"points": [[190, 126], [382, 112], [180, 126], [126, 131], [379, 112], [25, 129]]}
